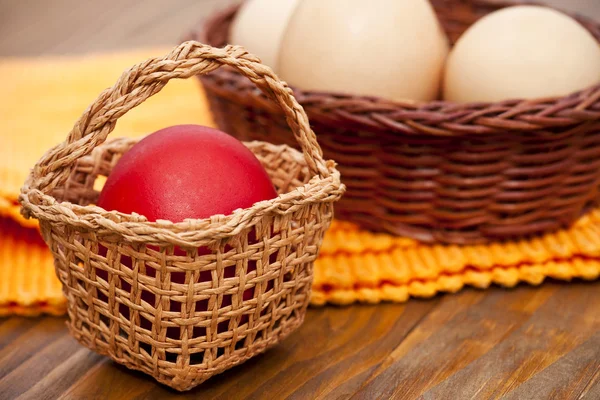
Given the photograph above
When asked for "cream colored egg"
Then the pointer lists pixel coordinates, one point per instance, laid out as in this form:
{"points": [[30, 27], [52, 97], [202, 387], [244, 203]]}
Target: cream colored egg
{"points": [[387, 48], [259, 26], [521, 52]]}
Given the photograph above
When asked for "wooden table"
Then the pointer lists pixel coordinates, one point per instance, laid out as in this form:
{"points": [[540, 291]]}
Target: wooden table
{"points": [[524, 343]]}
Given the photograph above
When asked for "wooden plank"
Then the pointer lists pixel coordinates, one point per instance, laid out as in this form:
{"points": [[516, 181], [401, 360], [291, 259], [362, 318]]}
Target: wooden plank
{"points": [[29, 342], [10, 328], [63, 375], [562, 323], [483, 344], [107, 380], [451, 338], [569, 377], [592, 391], [27, 373], [334, 346]]}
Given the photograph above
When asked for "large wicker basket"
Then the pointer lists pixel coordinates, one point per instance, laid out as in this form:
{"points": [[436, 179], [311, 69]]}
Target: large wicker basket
{"points": [[437, 172], [134, 287]]}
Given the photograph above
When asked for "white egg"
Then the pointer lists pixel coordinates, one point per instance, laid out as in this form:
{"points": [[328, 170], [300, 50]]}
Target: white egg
{"points": [[521, 52], [387, 48], [259, 26]]}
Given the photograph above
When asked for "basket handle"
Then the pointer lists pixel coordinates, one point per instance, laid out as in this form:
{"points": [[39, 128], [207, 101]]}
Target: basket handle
{"points": [[145, 80]]}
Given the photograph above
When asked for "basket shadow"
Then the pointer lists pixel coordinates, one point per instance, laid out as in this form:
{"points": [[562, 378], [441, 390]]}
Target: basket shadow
{"points": [[201, 391]]}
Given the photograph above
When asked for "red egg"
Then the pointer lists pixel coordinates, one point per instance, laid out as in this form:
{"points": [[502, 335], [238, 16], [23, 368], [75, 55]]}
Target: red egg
{"points": [[185, 171]]}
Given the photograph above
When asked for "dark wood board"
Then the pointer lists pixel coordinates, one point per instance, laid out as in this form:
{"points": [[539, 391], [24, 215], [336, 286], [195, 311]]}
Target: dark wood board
{"points": [[523, 343]]}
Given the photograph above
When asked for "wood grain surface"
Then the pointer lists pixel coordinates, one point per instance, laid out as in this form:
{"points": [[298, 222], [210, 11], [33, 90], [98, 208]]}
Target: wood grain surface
{"points": [[524, 343]]}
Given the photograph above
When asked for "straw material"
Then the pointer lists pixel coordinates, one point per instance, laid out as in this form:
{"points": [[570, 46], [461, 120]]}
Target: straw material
{"points": [[438, 172], [182, 301]]}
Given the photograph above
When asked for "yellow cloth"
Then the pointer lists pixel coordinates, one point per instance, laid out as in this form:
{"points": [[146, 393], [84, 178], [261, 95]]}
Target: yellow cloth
{"points": [[28, 285], [40, 99], [362, 266]]}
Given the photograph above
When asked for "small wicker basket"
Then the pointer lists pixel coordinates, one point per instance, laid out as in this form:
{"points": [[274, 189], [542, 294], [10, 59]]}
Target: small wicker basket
{"points": [[438, 172], [133, 287]]}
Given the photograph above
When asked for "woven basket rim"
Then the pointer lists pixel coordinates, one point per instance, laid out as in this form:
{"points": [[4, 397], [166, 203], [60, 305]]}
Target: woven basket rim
{"points": [[415, 117], [193, 232], [183, 61]]}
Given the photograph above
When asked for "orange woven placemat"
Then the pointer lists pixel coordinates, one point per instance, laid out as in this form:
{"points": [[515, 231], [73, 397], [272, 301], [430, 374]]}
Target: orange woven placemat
{"points": [[28, 285], [42, 99], [354, 266], [362, 266]]}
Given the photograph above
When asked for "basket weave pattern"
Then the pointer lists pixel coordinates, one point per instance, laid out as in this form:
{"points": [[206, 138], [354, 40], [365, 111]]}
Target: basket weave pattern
{"points": [[438, 171], [182, 301]]}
